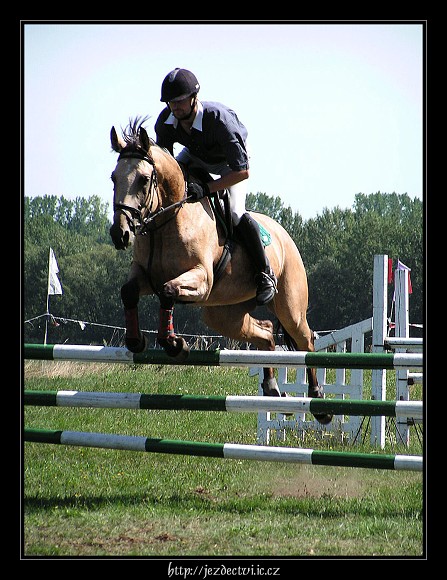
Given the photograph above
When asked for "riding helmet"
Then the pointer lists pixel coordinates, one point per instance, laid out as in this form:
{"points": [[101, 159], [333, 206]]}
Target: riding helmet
{"points": [[179, 83]]}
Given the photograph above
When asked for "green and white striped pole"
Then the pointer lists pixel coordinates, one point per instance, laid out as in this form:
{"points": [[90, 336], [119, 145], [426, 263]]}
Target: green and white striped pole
{"points": [[225, 450], [235, 358], [230, 403]]}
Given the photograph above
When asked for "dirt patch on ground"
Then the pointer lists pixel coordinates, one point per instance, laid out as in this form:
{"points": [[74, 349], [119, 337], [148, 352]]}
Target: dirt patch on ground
{"points": [[304, 483]]}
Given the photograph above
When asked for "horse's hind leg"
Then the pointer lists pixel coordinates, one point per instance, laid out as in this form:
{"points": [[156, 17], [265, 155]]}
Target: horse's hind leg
{"points": [[315, 390], [303, 339], [235, 322]]}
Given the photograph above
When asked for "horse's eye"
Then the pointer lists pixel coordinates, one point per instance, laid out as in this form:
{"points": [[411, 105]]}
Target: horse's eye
{"points": [[144, 180]]}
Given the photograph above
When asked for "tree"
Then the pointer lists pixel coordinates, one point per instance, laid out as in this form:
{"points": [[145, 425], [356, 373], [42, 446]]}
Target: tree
{"points": [[337, 248], [87, 217], [262, 203]]}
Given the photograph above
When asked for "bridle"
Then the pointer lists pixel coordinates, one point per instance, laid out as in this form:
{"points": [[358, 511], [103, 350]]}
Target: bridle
{"points": [[138, 223]]}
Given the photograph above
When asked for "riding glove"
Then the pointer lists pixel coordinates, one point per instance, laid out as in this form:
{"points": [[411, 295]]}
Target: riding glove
{"points": [[197, 190]]}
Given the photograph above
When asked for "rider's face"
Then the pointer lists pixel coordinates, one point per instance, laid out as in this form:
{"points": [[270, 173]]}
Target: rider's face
{"points": [[182, 109]]}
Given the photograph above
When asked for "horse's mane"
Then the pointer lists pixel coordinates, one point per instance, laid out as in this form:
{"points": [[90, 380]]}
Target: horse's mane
{"points": [[131, 134]]}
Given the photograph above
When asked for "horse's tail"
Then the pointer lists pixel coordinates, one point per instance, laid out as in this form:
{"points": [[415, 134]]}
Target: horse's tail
{"points": [[289, 342]]}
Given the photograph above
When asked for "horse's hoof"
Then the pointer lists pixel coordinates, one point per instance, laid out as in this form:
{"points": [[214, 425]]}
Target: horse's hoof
{"points": [[323, 418], [316, 392], [182, 350], [175, 347], [270, 388], [137, 344], [286, 414]]}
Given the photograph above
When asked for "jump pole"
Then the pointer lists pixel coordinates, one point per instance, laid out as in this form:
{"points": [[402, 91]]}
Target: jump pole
{"points": [[233, 358], [104, 400], [225, 450]]}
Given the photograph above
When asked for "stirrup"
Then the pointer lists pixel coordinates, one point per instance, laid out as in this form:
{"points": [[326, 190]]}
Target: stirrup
{"points": [[266, 287]]}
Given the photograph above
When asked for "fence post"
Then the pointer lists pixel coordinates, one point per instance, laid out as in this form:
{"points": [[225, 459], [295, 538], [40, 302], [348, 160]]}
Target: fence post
{"points": [[380, 309], [402, 330]]}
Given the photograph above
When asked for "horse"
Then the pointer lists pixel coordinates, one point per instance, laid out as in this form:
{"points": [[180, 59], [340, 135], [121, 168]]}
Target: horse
{"points": [[177, 244]]}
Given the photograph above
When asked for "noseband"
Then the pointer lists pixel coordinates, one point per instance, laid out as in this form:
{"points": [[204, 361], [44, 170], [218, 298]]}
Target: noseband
{"points": [[138, 223]]}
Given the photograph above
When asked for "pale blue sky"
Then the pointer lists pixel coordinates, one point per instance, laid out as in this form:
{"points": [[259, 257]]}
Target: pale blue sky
{"points": [[331, 109]]}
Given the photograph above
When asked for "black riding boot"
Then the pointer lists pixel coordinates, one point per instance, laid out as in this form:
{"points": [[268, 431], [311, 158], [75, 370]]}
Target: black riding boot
{"points": [[265, 279]]}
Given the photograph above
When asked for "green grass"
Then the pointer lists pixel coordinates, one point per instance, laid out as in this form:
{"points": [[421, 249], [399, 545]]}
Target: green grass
{"points": [[95, 502]]}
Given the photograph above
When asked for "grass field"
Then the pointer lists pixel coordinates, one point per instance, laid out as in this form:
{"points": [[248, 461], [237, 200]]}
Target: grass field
{"points": [[102, 503]]}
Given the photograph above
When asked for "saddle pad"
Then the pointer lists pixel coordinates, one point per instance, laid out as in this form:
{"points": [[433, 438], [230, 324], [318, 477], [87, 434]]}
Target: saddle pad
{"points": [[265, 235]]}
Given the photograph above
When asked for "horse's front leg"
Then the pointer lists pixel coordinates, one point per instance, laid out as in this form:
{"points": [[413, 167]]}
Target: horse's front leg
{"points": [[135, 340], [192, 286]]}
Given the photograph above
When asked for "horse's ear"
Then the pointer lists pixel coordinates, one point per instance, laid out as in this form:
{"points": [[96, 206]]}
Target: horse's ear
{"points": [[144, 139], [117, 143]]}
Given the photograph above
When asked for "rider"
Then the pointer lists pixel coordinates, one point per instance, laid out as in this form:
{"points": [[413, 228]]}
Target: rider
{"points": [[215, 140]]}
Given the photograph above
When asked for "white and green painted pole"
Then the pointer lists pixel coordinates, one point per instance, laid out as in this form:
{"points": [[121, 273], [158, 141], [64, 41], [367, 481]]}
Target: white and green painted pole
{"points": [[225, 450], [236, 358], [230, 403]]}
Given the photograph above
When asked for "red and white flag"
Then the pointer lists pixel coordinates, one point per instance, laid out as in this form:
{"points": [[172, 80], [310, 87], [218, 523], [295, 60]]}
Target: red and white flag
{"points": [[401, 266]]}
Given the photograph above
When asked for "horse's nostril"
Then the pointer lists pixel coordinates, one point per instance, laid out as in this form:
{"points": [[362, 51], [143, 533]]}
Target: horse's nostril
{"points": [[118, 238]]}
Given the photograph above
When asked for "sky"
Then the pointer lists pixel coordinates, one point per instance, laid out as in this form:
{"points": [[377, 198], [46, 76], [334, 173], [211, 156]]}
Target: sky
{"points": [[331, 109]]}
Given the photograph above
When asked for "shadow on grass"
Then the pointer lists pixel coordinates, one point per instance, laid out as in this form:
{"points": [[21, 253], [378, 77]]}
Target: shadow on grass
{"points": [[325, 506]]}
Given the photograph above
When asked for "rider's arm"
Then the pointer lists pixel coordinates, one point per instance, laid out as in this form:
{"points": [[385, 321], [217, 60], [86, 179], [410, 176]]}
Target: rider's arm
{"points": [[231, 135], [163, 132], [228, 180]]}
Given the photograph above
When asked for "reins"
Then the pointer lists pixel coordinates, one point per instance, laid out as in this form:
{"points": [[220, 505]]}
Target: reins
{"points": [[142, 224]]}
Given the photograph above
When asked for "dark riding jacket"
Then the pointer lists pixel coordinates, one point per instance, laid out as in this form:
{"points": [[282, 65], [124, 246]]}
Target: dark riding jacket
{"points": [[217, 135]]}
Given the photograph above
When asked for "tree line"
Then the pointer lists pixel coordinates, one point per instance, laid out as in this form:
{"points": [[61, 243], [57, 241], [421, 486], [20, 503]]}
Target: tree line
{"points": [[337, 247]]}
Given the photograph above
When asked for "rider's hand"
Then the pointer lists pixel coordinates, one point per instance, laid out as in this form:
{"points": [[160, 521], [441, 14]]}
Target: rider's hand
{"points": [[197, 190]]}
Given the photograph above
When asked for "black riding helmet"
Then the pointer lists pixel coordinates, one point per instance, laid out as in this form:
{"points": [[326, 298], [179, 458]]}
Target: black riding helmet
{"points": [[179, 83]]}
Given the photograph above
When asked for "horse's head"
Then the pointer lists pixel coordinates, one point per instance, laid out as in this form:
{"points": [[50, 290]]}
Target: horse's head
{"points": [[134, 183], [148, 184]]}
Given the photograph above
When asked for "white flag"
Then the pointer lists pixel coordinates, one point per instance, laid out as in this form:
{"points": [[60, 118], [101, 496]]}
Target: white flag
{"points": [[54, 285]]}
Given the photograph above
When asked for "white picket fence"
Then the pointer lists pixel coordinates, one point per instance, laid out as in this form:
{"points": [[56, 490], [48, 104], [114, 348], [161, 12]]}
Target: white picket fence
{"points": [[348, 384]]}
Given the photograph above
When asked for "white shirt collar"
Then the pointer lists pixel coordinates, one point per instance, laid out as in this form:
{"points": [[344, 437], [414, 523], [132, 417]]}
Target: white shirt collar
{"points": [[197, 124]]}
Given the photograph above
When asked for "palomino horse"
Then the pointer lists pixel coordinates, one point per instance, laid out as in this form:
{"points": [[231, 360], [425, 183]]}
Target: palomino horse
{"points": [[176, 247]]}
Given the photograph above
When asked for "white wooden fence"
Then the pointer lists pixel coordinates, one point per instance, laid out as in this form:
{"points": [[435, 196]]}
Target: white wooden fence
{"points": [[348, 384]]}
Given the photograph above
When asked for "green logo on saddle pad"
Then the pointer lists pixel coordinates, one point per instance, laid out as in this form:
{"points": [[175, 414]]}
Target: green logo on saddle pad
{"points": [[265, 236]]}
